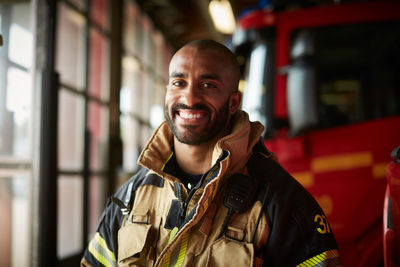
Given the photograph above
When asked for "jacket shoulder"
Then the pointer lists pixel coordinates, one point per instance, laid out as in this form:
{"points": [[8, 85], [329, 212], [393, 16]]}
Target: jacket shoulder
{"points": [[299, 229]]}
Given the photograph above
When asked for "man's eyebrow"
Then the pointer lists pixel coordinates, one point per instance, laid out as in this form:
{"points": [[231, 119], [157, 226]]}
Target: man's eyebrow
{"points": [[176, 74], [211, 77]]}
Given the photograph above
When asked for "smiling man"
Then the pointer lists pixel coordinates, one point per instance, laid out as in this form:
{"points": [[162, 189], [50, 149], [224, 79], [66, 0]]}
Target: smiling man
{"points": [[202, 95], [208, 192]]}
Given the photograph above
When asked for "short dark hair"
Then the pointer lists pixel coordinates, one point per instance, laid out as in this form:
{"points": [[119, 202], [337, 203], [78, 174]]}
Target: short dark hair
{"points": [[214, 45]]}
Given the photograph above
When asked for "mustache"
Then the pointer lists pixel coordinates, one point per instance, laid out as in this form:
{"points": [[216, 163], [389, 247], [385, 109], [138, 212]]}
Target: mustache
{"points": [[194, 107]]}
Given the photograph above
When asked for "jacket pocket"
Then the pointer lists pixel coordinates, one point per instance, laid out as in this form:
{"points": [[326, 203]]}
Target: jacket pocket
{"points": [[229, 252], [132, 244]]}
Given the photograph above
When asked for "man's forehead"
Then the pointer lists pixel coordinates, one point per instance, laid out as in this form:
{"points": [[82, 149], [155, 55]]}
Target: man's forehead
{"points": [[201, 59], [195, 51]]}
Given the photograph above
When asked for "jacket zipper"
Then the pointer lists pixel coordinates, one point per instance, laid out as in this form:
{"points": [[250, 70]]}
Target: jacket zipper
{"points": [[184, 204]]}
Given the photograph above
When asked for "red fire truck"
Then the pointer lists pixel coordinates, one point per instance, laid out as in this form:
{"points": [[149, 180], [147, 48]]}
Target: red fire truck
{"points": [[325, 81]]}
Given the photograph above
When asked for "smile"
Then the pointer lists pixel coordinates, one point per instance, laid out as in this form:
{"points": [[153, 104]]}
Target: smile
{"points": [[191, 114]]}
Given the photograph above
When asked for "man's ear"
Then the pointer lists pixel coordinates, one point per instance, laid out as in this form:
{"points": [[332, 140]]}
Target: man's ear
{"points": [[234, 102]]}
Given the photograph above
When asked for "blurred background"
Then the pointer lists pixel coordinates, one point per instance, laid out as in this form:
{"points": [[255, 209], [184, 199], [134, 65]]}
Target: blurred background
{"points": [[82, 84]]}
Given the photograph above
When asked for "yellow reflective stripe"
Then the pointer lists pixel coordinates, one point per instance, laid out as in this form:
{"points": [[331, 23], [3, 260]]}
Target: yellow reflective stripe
{"points": [[181, 256], [99, 257], [205, 205], [319, 259], [305, 178], [172, 234], [341, 162], [165, 163], [166, 260], [379, 170], [103, 245], [182, 250]]}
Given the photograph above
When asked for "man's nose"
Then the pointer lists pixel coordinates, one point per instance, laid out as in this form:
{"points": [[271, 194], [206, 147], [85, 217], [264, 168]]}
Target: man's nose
{"points": [[192, 95]]}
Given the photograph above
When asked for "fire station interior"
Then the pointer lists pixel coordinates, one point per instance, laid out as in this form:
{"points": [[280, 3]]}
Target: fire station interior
{"points": [[82, 84]]}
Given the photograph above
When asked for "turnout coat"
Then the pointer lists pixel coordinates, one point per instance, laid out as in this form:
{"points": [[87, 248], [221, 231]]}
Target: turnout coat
{"points": [[154, 220]]}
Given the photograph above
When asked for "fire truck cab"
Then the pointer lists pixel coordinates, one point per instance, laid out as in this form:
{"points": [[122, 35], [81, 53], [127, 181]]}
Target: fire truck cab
{"points": [[325, 81]]}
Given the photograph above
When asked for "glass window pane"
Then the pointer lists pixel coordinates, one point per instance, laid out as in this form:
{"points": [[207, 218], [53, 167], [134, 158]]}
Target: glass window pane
{"points": [[15, 133], [147, 96], [70, 54], [98, 127], [131, 93], [21, 222], [147, 45], [99, 66], [157, 109], [357, 72], [70, 215], [20, 46], [130, 141], [132, 36], [159, 54], [253, 93], [97, 196], [71, 130], [15, 82], [5, 220], [20, 49], [15, 221], [159, 93], [17, 114], [100, 12]]}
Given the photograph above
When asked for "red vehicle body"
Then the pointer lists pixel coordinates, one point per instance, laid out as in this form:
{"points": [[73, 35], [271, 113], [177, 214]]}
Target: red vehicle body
{"points": [[391, 213], [342, 164]]}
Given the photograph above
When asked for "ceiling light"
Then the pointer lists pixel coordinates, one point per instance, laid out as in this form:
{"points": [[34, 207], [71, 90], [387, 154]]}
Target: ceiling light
{"points": [[222, 16]]}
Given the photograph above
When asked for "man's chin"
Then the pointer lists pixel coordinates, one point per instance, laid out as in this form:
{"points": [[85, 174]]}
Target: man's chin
{"points": [[190, 142], [190, 127], [189, 137]]}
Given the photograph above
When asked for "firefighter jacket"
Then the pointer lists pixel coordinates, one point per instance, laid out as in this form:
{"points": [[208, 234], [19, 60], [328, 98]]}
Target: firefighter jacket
{"points": [[153, 220]]}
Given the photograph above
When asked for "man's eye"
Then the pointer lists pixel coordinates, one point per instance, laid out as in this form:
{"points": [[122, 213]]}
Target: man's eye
{"points": [[178, 83], [208, 85]]}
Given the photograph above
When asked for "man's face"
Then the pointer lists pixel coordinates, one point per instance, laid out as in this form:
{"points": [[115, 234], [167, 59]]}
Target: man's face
{"points": [[199, 99]]}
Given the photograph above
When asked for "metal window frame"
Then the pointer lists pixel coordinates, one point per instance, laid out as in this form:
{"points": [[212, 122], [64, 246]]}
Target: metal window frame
{"points": [[47, 172]]}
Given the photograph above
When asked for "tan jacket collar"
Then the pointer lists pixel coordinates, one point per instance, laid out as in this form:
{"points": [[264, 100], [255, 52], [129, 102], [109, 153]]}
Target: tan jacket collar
{"points": [[239, 144]]}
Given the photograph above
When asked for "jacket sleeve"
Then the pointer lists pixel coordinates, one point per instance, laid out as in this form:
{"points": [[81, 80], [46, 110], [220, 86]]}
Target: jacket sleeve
{"points": [[103, 248], [300, 234]]}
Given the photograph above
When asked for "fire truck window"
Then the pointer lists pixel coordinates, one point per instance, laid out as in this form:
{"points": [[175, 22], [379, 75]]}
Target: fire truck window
{"points": [[255, 87], [357, 72]]}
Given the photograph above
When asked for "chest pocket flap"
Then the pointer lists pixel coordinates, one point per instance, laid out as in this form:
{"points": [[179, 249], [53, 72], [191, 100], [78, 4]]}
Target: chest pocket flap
{"points": [[131, 240], [227, 252]]}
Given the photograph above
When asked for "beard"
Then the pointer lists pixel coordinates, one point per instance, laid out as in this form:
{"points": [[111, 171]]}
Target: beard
{"points": [[190, 134]]}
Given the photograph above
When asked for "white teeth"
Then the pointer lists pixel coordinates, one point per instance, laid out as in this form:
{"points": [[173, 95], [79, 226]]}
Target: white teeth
{"points": [[189, 115]]}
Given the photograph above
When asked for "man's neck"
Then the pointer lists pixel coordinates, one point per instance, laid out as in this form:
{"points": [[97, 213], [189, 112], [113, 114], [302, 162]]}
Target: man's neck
{"points": [[194, 159]]}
